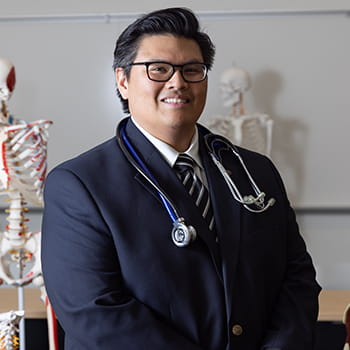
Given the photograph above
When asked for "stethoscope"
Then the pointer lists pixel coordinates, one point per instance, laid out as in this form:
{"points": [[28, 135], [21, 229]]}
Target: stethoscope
{"points": [[183, 234]]}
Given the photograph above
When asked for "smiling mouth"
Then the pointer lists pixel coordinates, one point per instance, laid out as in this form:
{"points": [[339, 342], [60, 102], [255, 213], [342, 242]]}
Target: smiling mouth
{"points": [[175, 100]]}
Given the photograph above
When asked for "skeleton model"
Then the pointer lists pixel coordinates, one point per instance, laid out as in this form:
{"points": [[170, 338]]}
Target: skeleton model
{"points": [[9, 330], [22, 172], [253, 131]]}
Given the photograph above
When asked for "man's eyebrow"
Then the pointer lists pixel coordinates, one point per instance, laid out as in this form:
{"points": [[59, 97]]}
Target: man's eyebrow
{"points": [[154, 60], [194, 61]]}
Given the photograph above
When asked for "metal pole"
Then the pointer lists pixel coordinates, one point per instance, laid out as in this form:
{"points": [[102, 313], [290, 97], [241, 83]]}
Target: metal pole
{"points": [[20, 291]]}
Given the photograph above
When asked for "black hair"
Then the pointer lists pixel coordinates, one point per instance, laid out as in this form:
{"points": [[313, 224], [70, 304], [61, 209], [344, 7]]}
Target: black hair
{"points": [[176, 21]]}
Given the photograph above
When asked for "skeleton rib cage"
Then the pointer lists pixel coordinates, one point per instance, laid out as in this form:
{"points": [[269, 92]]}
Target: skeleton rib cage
{"points": [[23, 170], [24, 152]]}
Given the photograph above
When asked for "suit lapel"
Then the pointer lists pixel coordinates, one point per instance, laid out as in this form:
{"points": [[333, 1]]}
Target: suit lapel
{"points": [[167, 180], [154, 161], [227, 212]]}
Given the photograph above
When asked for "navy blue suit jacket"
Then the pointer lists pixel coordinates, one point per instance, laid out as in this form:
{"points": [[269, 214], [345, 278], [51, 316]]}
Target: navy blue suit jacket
{"points": [[117, 281]]}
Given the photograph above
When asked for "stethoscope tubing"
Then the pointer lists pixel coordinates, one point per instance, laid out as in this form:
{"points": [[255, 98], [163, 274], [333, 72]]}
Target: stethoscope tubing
{"points": [[140, 166], [247, 200], [183, 234]]}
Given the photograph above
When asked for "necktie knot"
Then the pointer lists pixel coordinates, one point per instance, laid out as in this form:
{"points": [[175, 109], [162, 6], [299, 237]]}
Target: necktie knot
{"points": [[184, 163], [184, 167]]}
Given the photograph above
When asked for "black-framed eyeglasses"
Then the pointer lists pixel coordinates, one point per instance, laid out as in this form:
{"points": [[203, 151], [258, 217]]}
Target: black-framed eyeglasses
{"points": [[163, 71]]}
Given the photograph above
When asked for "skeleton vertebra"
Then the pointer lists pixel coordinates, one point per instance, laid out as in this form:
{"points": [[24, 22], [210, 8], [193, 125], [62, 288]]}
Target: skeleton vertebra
{"points": [[9, 331], [252, 131]]}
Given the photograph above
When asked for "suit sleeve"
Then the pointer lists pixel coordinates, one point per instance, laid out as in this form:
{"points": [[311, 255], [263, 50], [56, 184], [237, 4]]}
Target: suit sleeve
{"points": [[84, 281], [292, 325]]}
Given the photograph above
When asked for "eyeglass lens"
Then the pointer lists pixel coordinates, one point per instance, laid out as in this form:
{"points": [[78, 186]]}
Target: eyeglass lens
{"points": [[191, 72]]}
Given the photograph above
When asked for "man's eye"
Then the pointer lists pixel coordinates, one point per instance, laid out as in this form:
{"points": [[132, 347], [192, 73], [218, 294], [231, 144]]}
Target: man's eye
{"points": [[159, 69], [192, 70]]}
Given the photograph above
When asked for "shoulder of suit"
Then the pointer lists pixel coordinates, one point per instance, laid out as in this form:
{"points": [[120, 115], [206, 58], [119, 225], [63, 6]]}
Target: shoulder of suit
{"points": [[255, 162], [244, 152]]}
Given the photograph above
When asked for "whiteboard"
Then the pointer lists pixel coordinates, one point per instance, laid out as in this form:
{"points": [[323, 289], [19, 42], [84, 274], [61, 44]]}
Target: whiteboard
{"points": [[300, 73]]}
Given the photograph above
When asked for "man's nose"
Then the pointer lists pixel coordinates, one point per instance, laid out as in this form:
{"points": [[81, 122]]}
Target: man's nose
{"points": [[177, 80]]}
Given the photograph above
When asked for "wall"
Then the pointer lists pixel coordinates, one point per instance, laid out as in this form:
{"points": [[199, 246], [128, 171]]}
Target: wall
{"points": [[35, 7], [297, 56]]}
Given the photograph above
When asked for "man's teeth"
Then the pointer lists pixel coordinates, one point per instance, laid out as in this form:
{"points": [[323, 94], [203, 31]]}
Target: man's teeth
{"points": [[174, 100]]}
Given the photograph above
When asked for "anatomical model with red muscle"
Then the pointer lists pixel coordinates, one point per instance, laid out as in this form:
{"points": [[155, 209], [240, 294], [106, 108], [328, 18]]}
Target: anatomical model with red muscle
{"points": [[23, 153]]}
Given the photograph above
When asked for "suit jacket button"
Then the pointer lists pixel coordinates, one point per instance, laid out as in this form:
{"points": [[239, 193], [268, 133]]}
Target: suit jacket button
{"points": [[237, 330]]}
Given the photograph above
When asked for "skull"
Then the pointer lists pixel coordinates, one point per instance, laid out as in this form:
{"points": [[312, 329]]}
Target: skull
{"points": [[234, 81], [7, 79]]}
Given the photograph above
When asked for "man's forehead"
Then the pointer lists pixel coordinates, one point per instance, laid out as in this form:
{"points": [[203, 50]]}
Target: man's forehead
{"points": [[168, 46]]}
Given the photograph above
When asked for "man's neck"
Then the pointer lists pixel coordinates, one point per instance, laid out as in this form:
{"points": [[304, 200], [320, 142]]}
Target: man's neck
{"points": [[178, 138], [180, 141]]}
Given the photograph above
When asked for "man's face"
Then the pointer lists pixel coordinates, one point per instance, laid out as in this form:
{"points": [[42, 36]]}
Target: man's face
{"points": [[163, 107]]}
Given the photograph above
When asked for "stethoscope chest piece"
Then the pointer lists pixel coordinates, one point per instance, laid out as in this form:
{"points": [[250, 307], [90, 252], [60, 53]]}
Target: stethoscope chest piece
{"points": [[182, 234]]}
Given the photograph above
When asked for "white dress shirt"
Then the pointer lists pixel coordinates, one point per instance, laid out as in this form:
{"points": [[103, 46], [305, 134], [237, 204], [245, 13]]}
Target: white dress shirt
{"points": [[170, 154]]}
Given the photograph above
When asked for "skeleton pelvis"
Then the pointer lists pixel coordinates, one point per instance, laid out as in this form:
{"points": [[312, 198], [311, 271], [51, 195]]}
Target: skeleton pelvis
{"points": [[24, 257]]}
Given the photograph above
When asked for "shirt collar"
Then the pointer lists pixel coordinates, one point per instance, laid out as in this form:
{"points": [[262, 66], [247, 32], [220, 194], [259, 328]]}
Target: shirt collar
{"points": [[168, 152]]}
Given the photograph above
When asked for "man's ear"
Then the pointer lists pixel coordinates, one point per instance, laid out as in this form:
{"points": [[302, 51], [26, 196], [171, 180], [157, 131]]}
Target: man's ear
{"points": [[122, 82]]}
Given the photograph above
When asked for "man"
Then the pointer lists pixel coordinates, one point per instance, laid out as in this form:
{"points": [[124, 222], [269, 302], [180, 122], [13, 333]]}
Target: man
{"points": [[116, 272]]}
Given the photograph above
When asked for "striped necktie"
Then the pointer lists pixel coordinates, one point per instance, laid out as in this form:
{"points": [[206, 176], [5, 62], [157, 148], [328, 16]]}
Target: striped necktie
{"points": [[184, 167]]}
